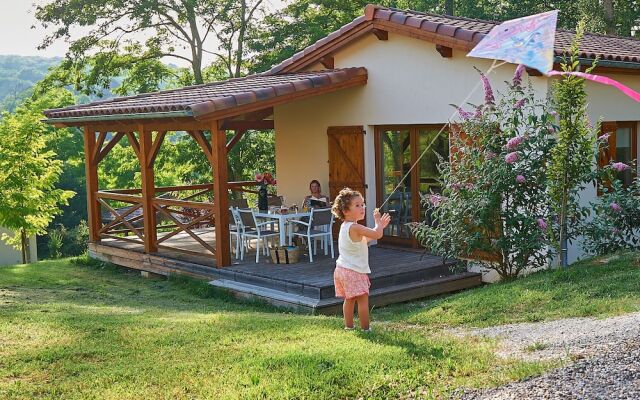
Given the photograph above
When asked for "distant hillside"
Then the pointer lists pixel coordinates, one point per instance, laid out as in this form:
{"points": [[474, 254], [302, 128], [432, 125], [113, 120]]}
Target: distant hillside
{"points": [[18, 73]]}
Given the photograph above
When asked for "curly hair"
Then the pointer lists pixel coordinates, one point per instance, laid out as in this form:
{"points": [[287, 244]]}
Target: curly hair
{"points": [[343, 201]]}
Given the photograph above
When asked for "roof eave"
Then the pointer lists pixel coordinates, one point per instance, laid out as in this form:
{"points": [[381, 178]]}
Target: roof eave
{"points": [[77, 121]]}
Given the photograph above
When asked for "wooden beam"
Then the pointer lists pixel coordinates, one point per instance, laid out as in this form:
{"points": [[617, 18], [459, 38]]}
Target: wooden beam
{"points": [[220, 194], [91, 174], [148, 190], [259, 115], [199, 137], [328, 62], [134, 142], [533, 72], [380, 34], [234, 125], [445, 51], [235, 139], [114, 140], [155, 148], [101, 137]]}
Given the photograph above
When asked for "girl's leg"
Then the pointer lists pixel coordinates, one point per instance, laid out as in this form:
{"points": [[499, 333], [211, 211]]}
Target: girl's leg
{"points": [[347, 311], [363, 310]]}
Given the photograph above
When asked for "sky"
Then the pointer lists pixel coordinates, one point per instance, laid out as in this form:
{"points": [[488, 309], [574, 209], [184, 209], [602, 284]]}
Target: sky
{"points": [[18, 37]]}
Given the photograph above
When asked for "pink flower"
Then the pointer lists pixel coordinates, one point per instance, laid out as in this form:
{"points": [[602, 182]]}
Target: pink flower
{"points": [[511, 158], [456, 186], [464, 114], [605, 137], [615, 207], [514, 142], [274, 182], [517, 76], [521, 179], [478, 113], [490, 154], [259, 177], [542, 224], [435, 200], [488, 91], [468, 185], [619, 166], [519, 104]]}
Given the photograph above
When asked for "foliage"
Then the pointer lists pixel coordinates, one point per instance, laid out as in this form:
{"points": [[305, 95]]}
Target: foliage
{"points": [[597, 287], [494, 202], [67, 242], [17, 75], [29, 171], [615, 223], [573, 158], [99, 331]]}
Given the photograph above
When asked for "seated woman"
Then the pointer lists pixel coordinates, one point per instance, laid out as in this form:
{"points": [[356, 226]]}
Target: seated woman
{"points": [[316, 198]]}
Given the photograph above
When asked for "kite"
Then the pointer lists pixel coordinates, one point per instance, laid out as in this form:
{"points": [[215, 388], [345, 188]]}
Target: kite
{"points": [[530, 41]]}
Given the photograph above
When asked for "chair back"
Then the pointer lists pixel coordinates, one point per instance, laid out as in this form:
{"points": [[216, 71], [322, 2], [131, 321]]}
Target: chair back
{"points": [[274, 200], [238, 203], [233, 217], [321, 217], [247, 218]]}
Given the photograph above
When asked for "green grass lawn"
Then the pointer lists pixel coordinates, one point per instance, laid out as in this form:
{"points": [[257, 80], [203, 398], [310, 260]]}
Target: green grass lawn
{"points": [[597, 287], [77, 330]]}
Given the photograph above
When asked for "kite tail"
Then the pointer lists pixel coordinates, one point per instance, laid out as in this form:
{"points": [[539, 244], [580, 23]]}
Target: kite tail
{"points": [[601, 79]]}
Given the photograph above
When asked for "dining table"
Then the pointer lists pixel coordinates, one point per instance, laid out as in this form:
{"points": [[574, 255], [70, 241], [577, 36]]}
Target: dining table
{"points": [[282, 220]]}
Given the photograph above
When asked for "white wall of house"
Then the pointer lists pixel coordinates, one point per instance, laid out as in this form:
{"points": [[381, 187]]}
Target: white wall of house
{"points": [[409, 83], [9, 255]]}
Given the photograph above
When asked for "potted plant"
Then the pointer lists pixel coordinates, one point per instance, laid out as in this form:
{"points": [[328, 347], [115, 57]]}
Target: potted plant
{"points": [[264, 179]]}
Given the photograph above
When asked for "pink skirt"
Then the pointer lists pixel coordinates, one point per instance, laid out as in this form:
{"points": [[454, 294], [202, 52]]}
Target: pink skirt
{"points": [[349, 283]]}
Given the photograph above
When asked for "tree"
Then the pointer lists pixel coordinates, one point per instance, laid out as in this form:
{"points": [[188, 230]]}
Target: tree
{"points": [[573, 157], [29, 172], [113, 47]]}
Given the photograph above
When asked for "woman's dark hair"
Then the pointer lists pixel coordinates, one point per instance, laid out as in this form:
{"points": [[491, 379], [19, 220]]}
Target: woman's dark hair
{"points": [[316, 182]]}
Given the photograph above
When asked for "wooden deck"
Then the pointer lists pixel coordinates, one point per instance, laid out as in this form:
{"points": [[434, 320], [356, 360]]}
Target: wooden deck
{"points": [[397, 275]]}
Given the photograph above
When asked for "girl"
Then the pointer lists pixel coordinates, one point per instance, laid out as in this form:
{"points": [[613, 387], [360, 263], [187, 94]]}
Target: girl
{"points": [[352, 266]]}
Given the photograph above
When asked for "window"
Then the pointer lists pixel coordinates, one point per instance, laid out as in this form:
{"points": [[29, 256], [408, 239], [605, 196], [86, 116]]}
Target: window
{"points": [[623, 147]]}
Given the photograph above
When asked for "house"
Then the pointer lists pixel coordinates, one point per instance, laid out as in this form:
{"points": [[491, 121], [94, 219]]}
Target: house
{"points": [[354, 109], [9, 255]]}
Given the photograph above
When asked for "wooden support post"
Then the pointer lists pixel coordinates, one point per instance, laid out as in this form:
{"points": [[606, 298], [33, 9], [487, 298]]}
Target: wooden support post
{"points": [[91, 171], [148, 189], [220, 194]]}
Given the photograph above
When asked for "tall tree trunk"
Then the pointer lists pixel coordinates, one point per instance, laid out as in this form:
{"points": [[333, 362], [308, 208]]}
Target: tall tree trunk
{"points": [[609, 21], [23, 245], [448, 7]]}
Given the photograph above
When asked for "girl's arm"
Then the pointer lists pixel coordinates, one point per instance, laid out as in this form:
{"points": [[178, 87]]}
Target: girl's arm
{"points": [[357, 231]]}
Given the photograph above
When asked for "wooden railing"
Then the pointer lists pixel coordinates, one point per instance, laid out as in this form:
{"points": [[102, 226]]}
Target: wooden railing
{"points": [[177, 209]]}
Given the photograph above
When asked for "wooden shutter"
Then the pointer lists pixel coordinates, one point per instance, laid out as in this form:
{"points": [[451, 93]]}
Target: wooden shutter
{"points": [[609, 154], [346, 160]]}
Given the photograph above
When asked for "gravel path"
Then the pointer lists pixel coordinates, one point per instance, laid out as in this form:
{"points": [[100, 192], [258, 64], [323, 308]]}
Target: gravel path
{"points": [[581, 337], [608, 353]]}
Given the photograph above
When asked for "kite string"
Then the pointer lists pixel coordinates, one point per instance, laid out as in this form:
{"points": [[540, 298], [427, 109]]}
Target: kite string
{"points": [[448, 123]]}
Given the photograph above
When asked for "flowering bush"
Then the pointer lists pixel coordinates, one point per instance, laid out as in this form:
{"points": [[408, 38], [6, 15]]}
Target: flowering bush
{"points": [[494, 206], [616, 215]]}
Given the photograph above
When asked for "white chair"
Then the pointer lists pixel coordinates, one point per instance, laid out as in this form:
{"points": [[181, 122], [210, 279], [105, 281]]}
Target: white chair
{"points": [[250, 228], [319, 226], [235, 230]]}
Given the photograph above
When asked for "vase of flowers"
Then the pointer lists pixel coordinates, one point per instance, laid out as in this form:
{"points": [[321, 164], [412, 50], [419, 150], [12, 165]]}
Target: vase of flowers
{"points": [[264, 179]]}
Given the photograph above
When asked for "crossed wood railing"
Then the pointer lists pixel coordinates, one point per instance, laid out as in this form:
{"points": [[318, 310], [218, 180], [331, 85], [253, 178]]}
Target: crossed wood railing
{"points": [[176, 206]]}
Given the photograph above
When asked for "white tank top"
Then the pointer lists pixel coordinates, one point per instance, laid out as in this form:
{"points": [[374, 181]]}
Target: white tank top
{"points": [[353, 255]]}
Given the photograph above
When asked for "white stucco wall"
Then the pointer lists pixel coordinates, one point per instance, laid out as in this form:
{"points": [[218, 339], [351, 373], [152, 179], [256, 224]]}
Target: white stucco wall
{"points": [[9, 255], [408, 83]]}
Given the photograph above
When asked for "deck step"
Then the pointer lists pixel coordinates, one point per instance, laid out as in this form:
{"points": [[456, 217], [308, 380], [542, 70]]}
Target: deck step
{"points": [[378, 297]]}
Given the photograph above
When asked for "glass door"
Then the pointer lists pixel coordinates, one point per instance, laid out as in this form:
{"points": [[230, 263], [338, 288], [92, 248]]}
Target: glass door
{"points": [[626, 145], [398, 148], [395, 160]]}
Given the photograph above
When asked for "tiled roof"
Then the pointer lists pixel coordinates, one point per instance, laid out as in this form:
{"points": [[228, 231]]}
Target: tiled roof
{"points": [[465, 30], [208, 98]]}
